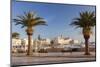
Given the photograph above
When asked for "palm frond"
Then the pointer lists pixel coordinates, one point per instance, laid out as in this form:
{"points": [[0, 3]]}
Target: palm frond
{"points": [[86, 19], [40, 23], [29, 19]]}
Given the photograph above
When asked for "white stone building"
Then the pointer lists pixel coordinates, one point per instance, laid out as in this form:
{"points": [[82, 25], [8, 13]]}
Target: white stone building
{"points": [[62, 40], [16, 44], [45, 41], [36, 44], [22, 44], [25, 43], [41, 44]]}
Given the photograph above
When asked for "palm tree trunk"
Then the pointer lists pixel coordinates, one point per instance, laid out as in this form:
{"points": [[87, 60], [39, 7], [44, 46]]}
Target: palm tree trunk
{"points": [[87, 46], [29, 52]]}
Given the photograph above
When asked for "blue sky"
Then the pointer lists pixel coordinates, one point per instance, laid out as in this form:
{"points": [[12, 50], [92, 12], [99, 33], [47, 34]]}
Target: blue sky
{"points": [[58, 18]]}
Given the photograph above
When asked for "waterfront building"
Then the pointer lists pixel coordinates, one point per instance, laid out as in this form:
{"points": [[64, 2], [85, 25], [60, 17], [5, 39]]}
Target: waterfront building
{"points": [[16, 44], [62, 40]]}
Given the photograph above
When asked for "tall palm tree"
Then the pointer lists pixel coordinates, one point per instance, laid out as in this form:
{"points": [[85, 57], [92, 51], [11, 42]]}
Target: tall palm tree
{"points": [[29, 20], [86, 21]]}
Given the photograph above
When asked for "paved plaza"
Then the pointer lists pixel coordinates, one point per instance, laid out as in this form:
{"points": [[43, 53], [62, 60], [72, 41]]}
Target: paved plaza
{"points": [[45, 58]]}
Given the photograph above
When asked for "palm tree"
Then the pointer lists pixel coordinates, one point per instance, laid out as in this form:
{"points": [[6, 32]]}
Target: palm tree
{"points": [[86, 21], [29, 20], [15, 35]]}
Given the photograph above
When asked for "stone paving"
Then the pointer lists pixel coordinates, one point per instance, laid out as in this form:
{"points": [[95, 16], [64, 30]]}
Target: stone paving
{"points": [[45, 58]]}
